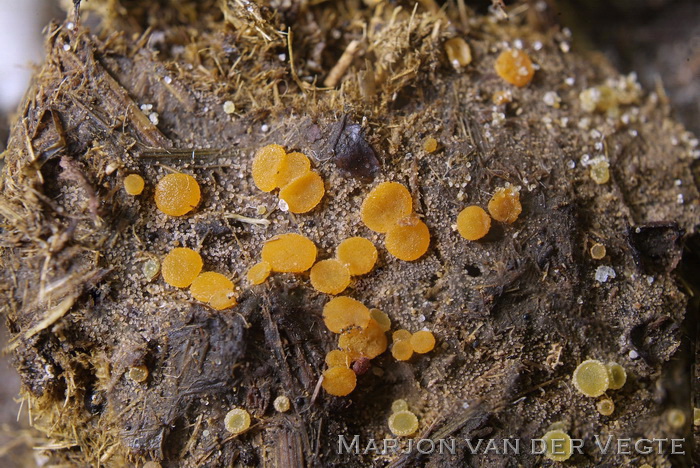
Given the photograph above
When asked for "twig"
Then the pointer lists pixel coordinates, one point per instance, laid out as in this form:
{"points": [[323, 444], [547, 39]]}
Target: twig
{"points": [[246, 219], [342, 65]]}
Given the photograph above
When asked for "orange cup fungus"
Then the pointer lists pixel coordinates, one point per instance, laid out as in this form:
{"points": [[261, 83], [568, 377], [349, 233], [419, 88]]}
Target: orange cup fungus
{"points": [[407, 343], [473, 223], [388, 208], [214, 289], [289, 253], [354, 256], [515, 67], [458, 52], [338, 358], [134, 184], [402, 350], [303, 193], [222, 299], [181, 266], [358, 254], [381, 318], [207, 284], [385, 205], [258, 273], [339, 381], [361, 338], [367, 342], [293, 165], [400, 335], [330, 276], [409, 239], [267, 163], [422, 341], [430, 145], [300, 187], [342, 313], [177, 194], [505, 205]]}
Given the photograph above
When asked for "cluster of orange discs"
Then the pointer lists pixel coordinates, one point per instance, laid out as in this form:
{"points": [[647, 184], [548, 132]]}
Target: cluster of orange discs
{"points": [[286, 253], [353, 257], [473, 222], [176, 195], [182, 268], [300, 187], [406, 343], [362, 337], [388, 209]]}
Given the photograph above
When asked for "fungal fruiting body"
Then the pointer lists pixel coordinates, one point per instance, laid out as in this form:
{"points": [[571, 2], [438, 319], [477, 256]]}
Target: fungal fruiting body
{"points": [[505, 205], [399, 405], [300, 187], [177, 194], [616, 375], [675, 418], [403, 423], [139, 373], [358, 254], [558, 445], [385, 205], [181, 266], [515, 67], [600, 172], [289, 253], [430, 145], [258, 273], [388, 209], [458, 52], [591, 378], [229, 107], [423, 341], [209, 283], [267, 163], [409, 239], [400, 335], [294, 165], [134, 184], [281, 404], [222, 299], [337, 358], [605, 406], [361, 339], [303, 193], [343, 313], [237, 420], [330, 276], [339, 381], [473, 223], [151, 268], [214, 289], [402, 350], [367, 342], [407, 343], [597, 251], [382, 319]]}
